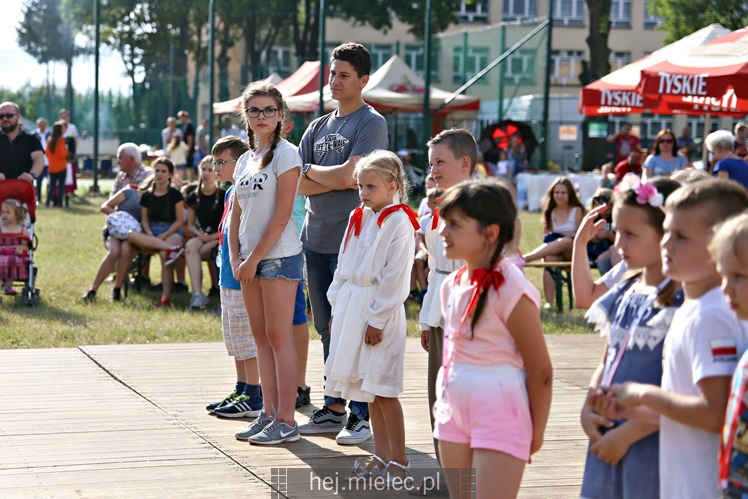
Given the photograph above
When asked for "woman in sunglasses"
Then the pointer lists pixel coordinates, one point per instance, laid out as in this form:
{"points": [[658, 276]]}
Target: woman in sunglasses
{"points": [[663, 161]]}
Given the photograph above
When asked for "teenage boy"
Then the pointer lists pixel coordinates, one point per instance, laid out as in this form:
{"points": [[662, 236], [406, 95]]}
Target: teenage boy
{"points": [[329, 149], [246, 399], [452, 157], [701, 349]]}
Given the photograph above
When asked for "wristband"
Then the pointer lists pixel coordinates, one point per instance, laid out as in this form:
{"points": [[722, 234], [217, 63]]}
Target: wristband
{"points": [[33, 175]]}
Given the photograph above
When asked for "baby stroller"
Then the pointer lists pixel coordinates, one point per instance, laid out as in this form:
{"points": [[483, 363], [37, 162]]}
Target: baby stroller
{"points": [[26, 194]]}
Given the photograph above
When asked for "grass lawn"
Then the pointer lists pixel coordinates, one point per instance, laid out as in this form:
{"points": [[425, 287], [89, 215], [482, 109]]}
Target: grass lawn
{"points": [[69, 252]]}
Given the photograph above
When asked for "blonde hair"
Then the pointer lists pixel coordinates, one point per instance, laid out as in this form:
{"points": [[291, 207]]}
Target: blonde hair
{"points": [[730, 237], [17, 207], [389, 166], [690, 175]]}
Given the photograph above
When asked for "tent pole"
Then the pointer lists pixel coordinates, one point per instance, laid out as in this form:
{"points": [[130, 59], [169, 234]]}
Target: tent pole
{"points": [[704, 152]]}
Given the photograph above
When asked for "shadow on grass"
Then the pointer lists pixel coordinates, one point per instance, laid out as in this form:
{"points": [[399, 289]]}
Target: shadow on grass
{"points": [[44, 311]]}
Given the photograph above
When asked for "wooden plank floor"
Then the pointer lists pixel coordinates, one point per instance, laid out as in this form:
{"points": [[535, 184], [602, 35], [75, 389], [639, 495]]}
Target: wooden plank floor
{"points": [[129, 421]]}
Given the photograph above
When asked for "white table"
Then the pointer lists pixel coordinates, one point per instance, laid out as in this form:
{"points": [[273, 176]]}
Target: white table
{"points": [[531, 187]]}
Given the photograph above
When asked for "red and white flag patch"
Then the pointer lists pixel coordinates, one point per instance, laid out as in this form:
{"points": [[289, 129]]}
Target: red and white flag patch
{"points": [[724, 348]]}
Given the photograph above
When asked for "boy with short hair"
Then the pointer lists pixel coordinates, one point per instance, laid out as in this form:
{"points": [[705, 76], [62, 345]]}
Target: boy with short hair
{"points": [[246, 399], [701, 348], [453, 155], [330, 148]]}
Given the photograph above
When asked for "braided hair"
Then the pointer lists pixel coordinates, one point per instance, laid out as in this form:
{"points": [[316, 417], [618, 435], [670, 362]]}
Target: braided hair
{"points": [[152, 186], [259, 89], [214, 203], [389, 166], [471, 198]]}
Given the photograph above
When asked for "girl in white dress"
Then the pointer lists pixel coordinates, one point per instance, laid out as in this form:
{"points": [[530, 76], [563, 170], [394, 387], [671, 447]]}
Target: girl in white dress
{"points": [[367, 329]]}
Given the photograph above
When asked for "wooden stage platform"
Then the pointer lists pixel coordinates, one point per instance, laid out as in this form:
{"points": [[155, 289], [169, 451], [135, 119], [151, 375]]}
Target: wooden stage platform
{"points": [[129, 421]]}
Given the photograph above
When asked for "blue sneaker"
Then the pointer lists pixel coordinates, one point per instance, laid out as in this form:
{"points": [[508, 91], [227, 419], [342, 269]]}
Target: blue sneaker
{"points": [[254, 427], [277, 432], [227, 400], [243, 406]]}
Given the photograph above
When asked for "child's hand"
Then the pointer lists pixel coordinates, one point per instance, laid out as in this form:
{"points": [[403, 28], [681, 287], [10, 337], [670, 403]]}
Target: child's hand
{"points": [[245, 272], [373, 336], [592, 421], [611, 447], [625, 394], [589, 226], [425, 340], [537, 442]]}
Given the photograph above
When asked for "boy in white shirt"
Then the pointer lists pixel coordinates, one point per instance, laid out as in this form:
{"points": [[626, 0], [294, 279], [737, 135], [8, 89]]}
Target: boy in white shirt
{"points": [[701, 350]]}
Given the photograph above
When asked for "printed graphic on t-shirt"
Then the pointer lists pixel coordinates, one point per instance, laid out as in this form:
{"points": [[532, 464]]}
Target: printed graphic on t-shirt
{"points": [[249, 186], [329, 143]]}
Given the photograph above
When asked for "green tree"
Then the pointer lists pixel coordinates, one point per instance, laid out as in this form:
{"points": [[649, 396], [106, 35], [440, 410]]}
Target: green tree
{"points": [[683, 17]]}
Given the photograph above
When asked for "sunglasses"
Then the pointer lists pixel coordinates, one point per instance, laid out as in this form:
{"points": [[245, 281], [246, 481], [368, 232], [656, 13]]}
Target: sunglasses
{"points": [[7, 116], [218, 163], [667, 141], [601, 199]]}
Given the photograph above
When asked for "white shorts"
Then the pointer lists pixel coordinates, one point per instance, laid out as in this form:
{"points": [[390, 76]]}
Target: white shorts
{"points": [[237, 335]]}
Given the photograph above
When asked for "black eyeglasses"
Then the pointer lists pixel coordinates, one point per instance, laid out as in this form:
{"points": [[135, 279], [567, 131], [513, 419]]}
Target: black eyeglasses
{"points": [[268, 112], [7, 116], [218, 163], [601, 199]]}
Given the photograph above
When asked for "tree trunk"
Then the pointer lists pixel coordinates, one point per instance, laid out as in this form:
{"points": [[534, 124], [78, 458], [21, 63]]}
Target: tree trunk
{"points": [[595, 149]]}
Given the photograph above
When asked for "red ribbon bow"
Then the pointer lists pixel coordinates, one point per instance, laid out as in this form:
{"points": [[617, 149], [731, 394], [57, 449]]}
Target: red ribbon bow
{"points": [[481, 279], [354, 225], [407, 209], [435, 219]]}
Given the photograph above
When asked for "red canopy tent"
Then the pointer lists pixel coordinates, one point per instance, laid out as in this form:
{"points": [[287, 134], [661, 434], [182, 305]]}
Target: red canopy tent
{"points": [[618, 92], [304, 80], [706, 73]]}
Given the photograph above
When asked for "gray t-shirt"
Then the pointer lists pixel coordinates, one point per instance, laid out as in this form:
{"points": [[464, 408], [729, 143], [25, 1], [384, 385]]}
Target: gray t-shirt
{"points": [[131, 204], [329, 141]]}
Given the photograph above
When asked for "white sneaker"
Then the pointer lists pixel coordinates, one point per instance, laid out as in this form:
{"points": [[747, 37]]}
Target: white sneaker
{"points": [[355, 431]]}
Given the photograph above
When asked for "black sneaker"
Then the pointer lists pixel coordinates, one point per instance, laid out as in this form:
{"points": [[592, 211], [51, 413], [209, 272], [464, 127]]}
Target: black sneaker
{"points": [[116, 294], [323, 421], [180, 287], [214, 291], [89, 297], [303, 396], [226, 401]]}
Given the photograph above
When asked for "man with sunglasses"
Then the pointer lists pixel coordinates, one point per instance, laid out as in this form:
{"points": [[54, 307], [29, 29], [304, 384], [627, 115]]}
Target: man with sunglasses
{"points": [[21, 153]]}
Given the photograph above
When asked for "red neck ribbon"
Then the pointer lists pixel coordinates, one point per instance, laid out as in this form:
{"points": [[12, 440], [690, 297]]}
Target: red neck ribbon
{"points": [[435, 216], [481, 279], [354, 225], [407, 209]]}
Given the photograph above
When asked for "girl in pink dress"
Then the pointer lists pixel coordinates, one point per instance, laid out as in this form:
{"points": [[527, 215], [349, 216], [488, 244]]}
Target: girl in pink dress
{"points": [[14, 245]]}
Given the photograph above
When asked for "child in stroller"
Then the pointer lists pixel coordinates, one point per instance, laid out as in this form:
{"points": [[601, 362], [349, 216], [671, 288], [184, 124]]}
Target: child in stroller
{"points": [[18, 202]]}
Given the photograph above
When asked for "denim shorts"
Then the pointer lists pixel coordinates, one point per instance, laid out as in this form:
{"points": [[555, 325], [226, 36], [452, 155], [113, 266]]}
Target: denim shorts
{"points": [[290, 267], [159, 228]]}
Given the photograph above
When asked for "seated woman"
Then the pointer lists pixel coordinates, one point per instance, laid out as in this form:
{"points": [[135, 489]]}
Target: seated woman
{"points": [[162, 216], [119, 250], [562, 214], [205, 212], [599, 247]]}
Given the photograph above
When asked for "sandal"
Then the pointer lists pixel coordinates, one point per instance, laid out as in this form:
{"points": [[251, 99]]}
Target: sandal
{"points": [[358, 471], [10, 291], [392, 478]]}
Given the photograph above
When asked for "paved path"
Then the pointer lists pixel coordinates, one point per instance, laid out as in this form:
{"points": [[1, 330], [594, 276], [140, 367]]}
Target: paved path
{"points": [[129, 421]]}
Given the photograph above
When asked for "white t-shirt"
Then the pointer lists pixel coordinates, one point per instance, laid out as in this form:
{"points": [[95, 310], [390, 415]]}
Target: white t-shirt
{"points": [[256, 191], [72, 131], [705, 340], [614, 275]]}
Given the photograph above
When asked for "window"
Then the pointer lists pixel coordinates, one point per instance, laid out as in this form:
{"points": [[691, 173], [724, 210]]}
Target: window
{"points": [[473, 11], [567, 64], [379, 55], [620, 13], [279, 60], [519, 10], [477, 59], [619, 59], [413, 56], [650, 21], [520, 68], [568, 13]]}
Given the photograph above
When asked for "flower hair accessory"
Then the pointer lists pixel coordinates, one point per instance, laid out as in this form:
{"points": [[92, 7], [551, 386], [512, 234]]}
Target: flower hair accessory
{"points": [[646, 193]]}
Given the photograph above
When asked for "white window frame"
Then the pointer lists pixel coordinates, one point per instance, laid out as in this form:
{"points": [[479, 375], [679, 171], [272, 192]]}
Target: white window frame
{"points": [[529, 11], [477, 59], [473, 11], [278, 60], [575, 58], [651, 21], [380, 54], [618, 15], [619, 59], [575, 19], [527, 76], [412, 53]]}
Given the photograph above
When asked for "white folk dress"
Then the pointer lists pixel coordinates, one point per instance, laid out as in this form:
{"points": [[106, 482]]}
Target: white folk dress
{"points": [[370, 287]]}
